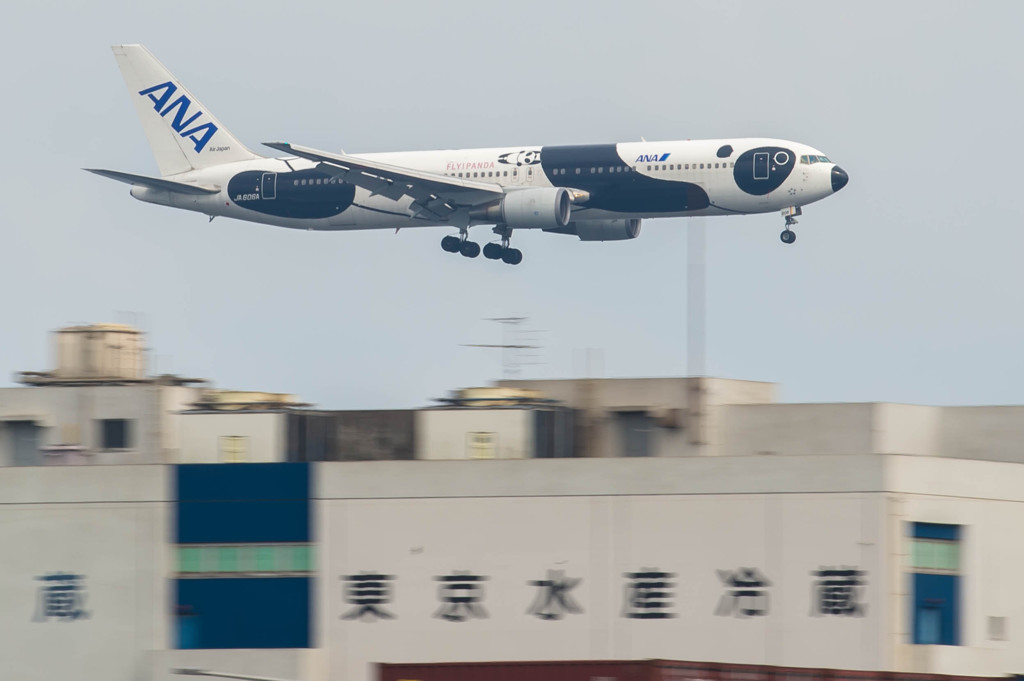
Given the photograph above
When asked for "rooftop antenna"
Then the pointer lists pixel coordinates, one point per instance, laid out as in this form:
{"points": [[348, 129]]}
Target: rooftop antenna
{"points": [[512, 355]]}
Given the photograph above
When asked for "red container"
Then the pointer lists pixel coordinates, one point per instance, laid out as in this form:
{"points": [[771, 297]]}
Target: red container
{"points": [[637, 670]]}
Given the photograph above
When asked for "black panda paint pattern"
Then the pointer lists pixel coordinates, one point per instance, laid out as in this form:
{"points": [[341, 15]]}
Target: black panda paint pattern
{"points": [[615, 186], [301, 194], [762, 170]]}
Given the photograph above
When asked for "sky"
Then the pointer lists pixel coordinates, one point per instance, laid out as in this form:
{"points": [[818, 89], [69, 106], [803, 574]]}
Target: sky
{"points": [[906, 286]]}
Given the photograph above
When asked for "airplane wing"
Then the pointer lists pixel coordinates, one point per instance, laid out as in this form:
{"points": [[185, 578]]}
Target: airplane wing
{"points": [[154, 182], [434, 196]]}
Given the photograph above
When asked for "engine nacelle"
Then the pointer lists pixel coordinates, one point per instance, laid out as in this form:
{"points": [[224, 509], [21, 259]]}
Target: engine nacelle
{"points": [[602, 230], [536, 208]]}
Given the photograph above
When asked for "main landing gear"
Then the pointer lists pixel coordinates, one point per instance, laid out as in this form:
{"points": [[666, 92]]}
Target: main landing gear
{"points": [[453, 244], [491, 251], [788, 236]]}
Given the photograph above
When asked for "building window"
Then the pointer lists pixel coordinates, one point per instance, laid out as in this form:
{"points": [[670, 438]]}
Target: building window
{"points": [[242, 560], [480, 445], [935, 579], [115, 434], [636, 430], [233, 448]]}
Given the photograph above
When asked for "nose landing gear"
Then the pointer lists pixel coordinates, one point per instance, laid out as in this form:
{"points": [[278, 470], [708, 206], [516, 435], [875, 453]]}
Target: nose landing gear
{"points": [[788, 236]]}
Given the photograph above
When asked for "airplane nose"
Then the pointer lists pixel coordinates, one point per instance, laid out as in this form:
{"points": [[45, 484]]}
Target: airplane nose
{"points": [[839, 178]]}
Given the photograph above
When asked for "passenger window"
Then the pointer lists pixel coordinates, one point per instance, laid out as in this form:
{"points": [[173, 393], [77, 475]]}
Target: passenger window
{"points": [[295, 182], [600, 170], [506, 173], [474, 174], [648, 167], [578, 171], [702, 166], [716, 165], [303, 182]]}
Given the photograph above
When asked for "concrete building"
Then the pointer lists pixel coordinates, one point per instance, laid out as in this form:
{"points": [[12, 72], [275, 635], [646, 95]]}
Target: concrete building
{"points": [[98, 406], [316, 571], [596, 519]]}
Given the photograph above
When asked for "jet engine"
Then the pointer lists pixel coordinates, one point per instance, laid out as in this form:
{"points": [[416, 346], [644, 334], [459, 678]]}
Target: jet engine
{"points": [[537, 208], [601, 230]]}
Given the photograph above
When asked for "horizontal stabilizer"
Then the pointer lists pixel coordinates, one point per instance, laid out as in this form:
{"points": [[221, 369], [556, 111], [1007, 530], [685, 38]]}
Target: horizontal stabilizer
{"points": [[154, 182]]}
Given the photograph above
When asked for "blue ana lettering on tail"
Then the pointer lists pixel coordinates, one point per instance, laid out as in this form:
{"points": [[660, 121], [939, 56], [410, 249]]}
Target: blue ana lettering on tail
{"points": [[200, 135], [182, 104], [209, 129], [158, 102]]}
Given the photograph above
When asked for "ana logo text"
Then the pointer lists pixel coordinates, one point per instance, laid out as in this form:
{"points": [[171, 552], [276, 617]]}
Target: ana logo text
{"points": [[200, 133], [651, 158]]}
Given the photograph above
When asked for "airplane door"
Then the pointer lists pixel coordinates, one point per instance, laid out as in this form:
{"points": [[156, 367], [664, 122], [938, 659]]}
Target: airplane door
{"points": [[761, 166], [269, 188]]}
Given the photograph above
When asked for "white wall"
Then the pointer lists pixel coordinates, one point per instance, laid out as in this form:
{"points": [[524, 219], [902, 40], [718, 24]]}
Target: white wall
{"points": [[201, 432], [512, 541], [797, 429], [987, 500], [445, 433], [512, 521], [993, 433], [109, 524], [69, 415]]}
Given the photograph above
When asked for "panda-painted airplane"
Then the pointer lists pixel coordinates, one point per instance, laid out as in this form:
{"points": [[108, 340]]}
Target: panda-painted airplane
{"points": [[596, 192]]}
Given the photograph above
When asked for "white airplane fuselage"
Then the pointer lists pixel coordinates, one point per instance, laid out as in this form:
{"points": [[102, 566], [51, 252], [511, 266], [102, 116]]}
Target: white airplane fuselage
{"points": [[639, 180]]}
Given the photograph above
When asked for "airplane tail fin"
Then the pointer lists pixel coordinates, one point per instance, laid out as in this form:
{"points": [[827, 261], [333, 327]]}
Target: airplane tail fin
{"points": [[183, 134]]}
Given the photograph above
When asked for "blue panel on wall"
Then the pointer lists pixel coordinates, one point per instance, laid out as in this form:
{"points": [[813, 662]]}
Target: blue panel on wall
{"points": [[239, 481], [243, 503], [249, 522], [936, 531], [936, 613], [268, 612]]}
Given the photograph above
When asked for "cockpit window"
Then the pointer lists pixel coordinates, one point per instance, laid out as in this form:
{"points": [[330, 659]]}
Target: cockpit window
{"points": [[814, 159]]}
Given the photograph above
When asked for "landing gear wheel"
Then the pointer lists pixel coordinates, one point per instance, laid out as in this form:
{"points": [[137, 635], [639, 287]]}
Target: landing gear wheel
{"points": [[512, 256], [450, 244], [493, 251], [469, 249], [788, 236]]}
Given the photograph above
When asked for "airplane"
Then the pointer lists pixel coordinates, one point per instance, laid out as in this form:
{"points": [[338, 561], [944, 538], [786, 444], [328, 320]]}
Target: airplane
{"points": [[596, 192]]}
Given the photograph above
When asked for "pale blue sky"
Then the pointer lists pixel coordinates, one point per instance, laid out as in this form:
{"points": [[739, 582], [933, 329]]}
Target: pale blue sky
{"points": [[904, 287]]}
